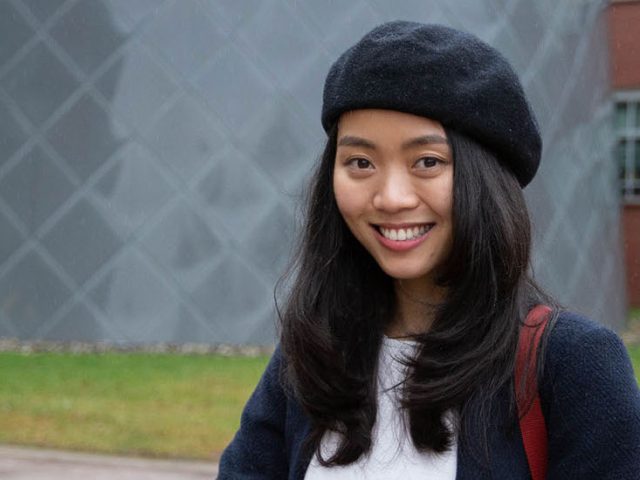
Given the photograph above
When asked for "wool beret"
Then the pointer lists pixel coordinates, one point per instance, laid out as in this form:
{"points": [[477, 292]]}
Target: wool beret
{"points": [[443, 74]]}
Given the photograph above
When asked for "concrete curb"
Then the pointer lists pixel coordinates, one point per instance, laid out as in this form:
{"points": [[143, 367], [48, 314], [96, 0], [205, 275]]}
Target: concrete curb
{"points": [[22, 463], [28, 347]]}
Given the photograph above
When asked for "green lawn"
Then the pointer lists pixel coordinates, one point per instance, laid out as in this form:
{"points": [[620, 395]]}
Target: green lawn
{"points": [[634, 352], [633, 346], [137, 404]]}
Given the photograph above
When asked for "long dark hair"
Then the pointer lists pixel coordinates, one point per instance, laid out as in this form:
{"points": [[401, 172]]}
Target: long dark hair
{"points": [[341, 301]]}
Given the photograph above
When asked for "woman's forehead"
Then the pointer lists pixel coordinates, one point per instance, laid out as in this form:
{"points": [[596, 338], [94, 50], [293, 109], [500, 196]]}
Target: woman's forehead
{"points": [[369, 127], [373, 120]]}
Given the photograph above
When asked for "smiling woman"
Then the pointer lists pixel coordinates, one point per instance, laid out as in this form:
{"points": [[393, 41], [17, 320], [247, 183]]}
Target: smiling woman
{"points": [[393, 183], [409, 342], [394, 189]]}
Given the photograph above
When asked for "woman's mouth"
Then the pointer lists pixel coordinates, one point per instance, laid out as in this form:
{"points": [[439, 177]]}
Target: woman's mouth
{"points": [[403, 234], [402, 238]]}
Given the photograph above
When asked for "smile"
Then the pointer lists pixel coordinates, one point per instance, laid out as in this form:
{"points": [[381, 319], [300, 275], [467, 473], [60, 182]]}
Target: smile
{"points": [[403, 234], [402, 238]]}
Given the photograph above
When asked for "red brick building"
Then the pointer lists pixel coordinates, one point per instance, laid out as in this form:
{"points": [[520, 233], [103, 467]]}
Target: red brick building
{"points": [[624, 44]]}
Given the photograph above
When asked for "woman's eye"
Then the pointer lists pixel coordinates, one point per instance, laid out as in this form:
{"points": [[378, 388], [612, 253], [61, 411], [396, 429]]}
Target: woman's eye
{"points": [[428, 162], [361, 163]]}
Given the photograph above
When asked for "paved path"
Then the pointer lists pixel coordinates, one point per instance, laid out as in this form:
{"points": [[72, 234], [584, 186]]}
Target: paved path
{"points": [[33, 464]]}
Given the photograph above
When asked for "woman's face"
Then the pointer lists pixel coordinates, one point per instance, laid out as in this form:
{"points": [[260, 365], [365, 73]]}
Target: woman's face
{"points": [[393, 181]]}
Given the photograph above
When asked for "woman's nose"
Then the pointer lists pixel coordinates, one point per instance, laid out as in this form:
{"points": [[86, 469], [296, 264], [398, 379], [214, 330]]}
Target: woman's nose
{"points": [[396, 192]]}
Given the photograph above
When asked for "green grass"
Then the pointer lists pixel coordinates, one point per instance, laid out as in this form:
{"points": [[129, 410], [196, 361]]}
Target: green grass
{"points": [[634, 317], [633, 346], [634, 353], [136, 404]]}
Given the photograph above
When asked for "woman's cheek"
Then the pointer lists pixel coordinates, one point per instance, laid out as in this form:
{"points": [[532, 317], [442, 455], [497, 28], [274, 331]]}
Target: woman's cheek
{"points": [[344, 199]]}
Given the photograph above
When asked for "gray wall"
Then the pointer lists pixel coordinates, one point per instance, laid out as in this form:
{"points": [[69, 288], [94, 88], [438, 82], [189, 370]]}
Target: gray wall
{"points": [[152, 154]]}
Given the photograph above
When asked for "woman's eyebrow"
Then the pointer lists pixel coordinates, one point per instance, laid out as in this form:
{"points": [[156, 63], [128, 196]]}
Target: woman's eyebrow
{"points": [[353, 141], [424, 140]]}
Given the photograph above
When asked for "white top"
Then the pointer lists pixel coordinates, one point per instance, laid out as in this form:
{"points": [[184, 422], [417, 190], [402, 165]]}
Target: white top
{"points": [[392, 455]]}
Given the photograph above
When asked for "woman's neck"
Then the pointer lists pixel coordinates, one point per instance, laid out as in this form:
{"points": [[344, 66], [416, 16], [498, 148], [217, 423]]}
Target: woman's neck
{"points": [[416, 302]]}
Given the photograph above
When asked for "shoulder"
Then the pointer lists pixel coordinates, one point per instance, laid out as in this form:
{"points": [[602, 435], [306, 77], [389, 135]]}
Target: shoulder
{"points": [[573, 334], [570, 327], [579, 350], [579, 343]]}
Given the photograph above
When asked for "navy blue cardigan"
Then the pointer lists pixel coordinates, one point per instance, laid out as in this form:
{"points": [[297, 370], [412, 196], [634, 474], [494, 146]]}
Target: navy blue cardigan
{"points": [[589, 396]]}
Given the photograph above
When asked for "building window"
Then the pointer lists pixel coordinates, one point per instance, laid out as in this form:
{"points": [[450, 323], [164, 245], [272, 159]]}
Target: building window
{"points": [[627, 125]]}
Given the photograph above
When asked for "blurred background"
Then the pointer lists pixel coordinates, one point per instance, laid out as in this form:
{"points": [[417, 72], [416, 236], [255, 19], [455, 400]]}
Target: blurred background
{"points": [[153, 157], [153, 154]]}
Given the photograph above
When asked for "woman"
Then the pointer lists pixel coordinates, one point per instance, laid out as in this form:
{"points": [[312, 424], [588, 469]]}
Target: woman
{"points": [[400, 336]]}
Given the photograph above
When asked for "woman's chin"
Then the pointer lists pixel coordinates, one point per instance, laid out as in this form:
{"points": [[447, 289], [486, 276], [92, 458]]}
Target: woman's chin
{"points": [[407, 274]]}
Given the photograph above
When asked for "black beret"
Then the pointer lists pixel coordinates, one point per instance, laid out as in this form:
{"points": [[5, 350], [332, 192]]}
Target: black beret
{"points": [[443, 74]]}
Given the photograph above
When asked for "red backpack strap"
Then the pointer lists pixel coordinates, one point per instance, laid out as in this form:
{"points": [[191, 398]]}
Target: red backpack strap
{"points": [[532, 425]]}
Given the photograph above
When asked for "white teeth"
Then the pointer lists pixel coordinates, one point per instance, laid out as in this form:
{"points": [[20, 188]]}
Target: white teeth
{"points": [[402, 234]]}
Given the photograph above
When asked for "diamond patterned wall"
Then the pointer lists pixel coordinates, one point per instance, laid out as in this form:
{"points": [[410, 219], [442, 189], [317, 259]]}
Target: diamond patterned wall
{"points": [[153, 152]]}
